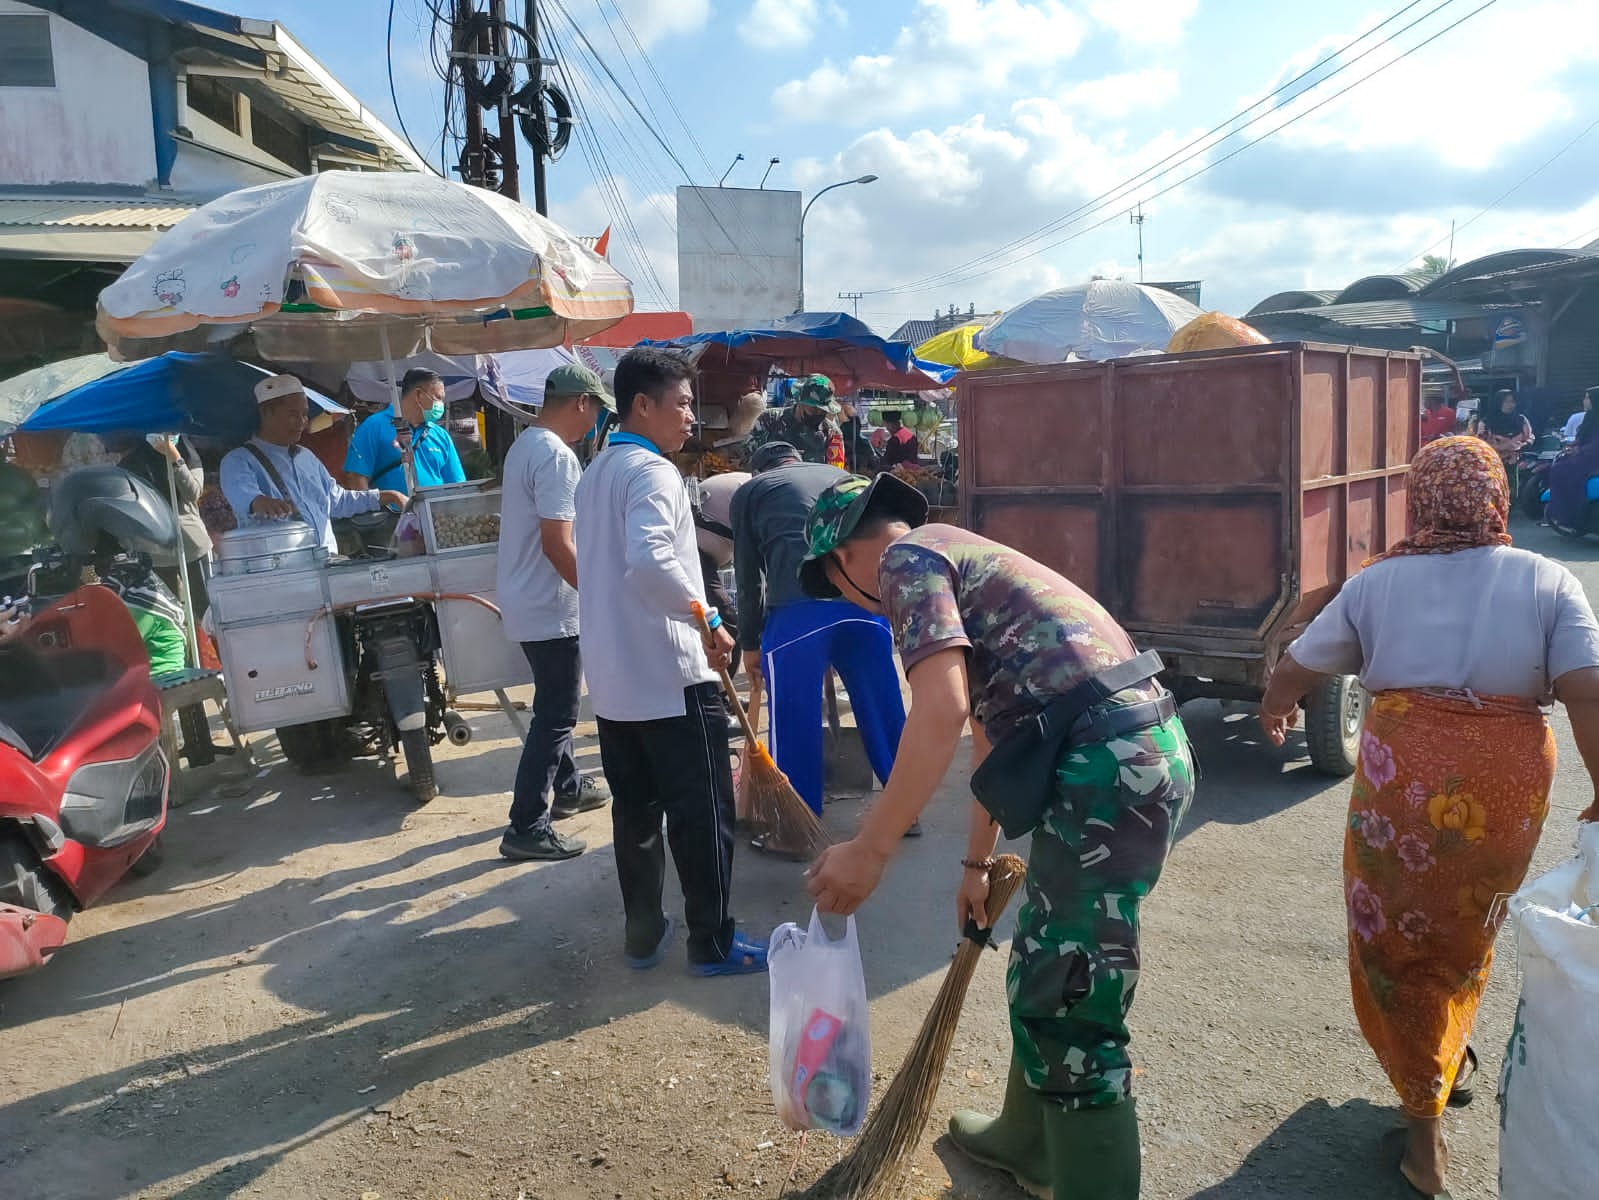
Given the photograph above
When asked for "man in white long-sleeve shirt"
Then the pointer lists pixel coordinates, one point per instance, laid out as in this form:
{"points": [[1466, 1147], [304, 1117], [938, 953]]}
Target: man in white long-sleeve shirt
{"points": [[663, 731]]}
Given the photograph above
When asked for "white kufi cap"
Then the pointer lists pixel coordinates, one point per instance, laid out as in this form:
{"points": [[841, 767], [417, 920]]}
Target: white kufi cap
{"points": [[274, 386]]}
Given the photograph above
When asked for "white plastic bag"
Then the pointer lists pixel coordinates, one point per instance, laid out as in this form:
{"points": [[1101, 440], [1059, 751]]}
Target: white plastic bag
{"points": [[820, 1046], [1549, 1087]]}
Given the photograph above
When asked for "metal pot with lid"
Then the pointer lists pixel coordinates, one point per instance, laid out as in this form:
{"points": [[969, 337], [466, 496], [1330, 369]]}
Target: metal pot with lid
{"points": [[274, 545]]}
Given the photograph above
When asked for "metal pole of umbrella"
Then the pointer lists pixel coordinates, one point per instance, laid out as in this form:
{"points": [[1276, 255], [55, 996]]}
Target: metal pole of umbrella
{"points": [[406, 464], [191, 629]]}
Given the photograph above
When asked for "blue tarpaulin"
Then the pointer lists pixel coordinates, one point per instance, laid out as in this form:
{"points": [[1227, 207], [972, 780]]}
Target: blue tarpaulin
{"points": [[832, 343], [205, 395]]}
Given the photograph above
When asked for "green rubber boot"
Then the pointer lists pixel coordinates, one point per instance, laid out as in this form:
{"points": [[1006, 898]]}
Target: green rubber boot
{"points": [[1012, 1142], [1093, 1152]]}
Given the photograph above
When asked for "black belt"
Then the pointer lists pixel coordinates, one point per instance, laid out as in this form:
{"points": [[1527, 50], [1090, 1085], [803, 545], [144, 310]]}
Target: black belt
{"points": [[1105, 721]]}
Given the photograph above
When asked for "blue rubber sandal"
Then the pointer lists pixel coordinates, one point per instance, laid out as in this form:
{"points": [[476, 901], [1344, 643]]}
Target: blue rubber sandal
{"points": [[657, 955], [743, 958]]}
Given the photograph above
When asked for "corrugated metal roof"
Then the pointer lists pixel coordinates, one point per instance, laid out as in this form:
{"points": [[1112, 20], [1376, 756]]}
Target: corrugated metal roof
{"points": [[91, 213], [1389, 313]]}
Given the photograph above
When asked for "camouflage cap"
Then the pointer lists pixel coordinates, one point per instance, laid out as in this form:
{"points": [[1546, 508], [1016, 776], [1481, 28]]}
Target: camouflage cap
{"points": [[837, 513], [817, 392]]}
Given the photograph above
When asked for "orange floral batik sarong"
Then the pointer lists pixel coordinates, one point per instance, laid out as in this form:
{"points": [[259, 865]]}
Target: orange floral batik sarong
{"points": [[1449, 798]]}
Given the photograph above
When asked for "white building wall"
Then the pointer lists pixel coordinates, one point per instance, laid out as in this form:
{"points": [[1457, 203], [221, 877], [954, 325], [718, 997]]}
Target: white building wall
{"points": [[737, 255], [93, 127]]}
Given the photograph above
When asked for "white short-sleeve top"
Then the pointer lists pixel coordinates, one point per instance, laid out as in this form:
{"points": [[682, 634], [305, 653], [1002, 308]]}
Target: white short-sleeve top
{"points": [[1496, 620]]}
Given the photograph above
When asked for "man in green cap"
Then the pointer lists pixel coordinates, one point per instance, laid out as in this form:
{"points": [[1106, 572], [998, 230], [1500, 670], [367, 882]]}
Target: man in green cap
{"points": [[989, 636], [536, 589], [810, 424]]}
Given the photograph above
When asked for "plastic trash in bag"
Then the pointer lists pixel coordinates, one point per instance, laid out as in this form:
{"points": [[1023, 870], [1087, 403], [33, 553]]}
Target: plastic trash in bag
{"points": [[1549, 1088], [820, 1045]]}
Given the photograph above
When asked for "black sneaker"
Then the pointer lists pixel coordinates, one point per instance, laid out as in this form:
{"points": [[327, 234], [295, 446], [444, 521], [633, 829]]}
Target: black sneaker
{"points": [[591, 794], [540, 846]]}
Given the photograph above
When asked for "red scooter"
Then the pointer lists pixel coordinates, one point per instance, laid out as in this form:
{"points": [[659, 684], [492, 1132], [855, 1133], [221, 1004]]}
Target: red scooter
{"points": [[83, 780]]}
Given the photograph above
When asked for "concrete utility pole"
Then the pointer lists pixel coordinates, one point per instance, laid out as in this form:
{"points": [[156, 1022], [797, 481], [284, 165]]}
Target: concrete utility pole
{"points": [[535, 67], [500, 38], [1137, 218], [855, 297]]}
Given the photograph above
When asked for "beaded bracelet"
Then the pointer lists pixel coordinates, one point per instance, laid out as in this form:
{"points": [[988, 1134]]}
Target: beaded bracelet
{"points": [[979, 864]]}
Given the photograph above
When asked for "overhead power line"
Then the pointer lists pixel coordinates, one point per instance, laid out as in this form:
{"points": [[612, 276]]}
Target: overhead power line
{"points": [[1506, 194], [394, 98], [1121, 194]]}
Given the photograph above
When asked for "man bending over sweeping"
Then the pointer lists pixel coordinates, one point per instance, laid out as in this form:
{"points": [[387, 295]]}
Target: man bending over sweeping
{"points": [[1088, 755]]}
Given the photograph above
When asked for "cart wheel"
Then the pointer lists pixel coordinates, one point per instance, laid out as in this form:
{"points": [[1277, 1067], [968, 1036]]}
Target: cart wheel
{"points": [[1333, 716], [149, 862], [305, 745], [419, 764]]}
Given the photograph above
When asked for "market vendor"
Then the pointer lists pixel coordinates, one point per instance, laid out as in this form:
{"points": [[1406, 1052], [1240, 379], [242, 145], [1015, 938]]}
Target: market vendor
{"points": [[809, 424], [273, 477], [985, 632], [900, 446], [411, 432]]}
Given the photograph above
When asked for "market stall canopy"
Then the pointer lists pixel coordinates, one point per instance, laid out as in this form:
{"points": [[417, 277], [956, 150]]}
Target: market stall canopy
{"points": [[515, 377], [832, 344], [362, 265], [956, 348], [1104, 318], [204, 395]]}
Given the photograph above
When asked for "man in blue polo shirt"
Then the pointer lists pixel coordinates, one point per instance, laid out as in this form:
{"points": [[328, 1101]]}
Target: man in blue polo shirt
{"points": [[382, 442]]}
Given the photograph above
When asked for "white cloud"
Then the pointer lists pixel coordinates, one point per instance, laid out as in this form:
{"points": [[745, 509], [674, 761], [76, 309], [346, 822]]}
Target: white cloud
{"points": [[1454, 99], [788, 24], [1144, 22], [1120, 95], [652, 20], [653, 217], [949, 49]]}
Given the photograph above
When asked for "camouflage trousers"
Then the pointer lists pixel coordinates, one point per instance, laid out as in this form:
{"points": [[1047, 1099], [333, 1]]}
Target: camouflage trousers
{"points": [[1074, 961]]}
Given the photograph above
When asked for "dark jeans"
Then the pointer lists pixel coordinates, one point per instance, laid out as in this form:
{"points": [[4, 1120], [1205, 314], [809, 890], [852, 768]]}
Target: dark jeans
{"points": [[677, 768], [547, 753]]}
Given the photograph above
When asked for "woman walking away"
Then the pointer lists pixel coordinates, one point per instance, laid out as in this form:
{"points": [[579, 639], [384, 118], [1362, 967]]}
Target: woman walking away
{"points": [[1459, 638]]}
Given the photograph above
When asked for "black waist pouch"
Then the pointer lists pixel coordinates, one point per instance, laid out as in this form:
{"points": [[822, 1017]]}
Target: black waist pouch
{"points": [[1016, 782]]}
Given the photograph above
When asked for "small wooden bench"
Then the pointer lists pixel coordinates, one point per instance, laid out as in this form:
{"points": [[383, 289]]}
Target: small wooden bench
{"points": [[179, 689]]}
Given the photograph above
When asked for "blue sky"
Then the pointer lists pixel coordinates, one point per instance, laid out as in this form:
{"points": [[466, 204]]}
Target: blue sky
{"points": [[989, 119]]}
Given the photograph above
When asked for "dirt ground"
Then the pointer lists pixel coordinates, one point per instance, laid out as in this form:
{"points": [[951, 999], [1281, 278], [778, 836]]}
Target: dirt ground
{"points": [[327, 993]]}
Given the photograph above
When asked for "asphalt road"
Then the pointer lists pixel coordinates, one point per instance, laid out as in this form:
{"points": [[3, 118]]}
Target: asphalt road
{"points": [[326, 992]]}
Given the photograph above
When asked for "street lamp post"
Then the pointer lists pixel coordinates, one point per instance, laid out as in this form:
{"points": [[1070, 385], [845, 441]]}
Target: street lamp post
{"points": [[807, 212]]}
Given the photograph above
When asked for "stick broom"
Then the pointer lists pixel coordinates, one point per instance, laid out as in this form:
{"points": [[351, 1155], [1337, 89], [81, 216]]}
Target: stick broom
{"points": [[771, 800], [872, 1170]]}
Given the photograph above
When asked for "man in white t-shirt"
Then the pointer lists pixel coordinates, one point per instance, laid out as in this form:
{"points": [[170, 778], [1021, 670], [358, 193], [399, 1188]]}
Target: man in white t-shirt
{"points": [[537, 593]]}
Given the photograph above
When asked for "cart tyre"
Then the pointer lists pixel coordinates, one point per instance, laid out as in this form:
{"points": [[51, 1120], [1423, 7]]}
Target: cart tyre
{"points": [[419, 764], [1334, 713], [304, 745], [1530, 501], [150, 861]]}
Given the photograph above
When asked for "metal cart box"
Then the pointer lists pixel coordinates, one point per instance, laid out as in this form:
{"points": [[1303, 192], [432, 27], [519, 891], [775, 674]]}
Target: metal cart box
{"points": [[458, 518], [358, 582], [261, 623], [478, 657]]}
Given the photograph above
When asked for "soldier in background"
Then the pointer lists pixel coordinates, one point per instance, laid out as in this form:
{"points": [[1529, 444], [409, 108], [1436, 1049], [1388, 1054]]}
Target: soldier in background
{"points": [[809, 424]]}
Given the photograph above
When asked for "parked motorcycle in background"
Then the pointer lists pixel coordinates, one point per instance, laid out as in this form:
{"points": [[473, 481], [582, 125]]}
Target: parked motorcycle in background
{"points": [[83, 781]]}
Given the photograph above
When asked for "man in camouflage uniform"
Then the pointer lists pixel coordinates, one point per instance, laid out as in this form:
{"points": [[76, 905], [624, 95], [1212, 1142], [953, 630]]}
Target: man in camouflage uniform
{"points": [[987, 634], [810, 424]]}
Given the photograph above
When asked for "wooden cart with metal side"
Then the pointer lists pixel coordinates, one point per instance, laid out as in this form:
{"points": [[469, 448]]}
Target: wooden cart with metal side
{"points": [[1214, 502]]}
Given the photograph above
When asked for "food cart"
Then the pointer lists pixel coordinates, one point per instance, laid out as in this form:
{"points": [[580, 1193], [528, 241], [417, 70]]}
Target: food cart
{"points": [[283, 610]]}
